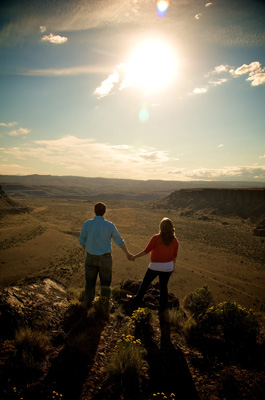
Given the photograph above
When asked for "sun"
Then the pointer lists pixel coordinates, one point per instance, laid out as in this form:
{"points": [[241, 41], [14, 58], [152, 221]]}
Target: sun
{"points": [[152, 65]]}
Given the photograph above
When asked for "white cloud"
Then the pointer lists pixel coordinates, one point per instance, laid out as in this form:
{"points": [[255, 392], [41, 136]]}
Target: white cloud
{"points": [[118, 78], [220, 145], [55, 39], [198, 16], [246, 69], [88, 157], [9, 124], [254, 70], [230, 173], [256, 74], [19, 132], [107, 85], [200, 90], [218, 82], [42, 29], [208, 4], [257, 79], [220, 69]]}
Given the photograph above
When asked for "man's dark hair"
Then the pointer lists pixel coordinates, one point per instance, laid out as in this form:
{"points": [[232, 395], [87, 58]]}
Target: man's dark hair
{"points": [[100, 209]]}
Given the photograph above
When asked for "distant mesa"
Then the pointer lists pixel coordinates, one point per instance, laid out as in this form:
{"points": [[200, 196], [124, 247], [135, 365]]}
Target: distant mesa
{"points": [[244, 203]]}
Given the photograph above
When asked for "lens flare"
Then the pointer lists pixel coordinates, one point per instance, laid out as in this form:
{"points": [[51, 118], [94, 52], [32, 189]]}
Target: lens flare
{"points": [[144, 114], [162, 7]]}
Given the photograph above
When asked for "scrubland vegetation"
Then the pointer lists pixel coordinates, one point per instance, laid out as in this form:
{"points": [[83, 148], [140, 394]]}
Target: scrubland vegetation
{"points": [[212, 340], [209, 343]]}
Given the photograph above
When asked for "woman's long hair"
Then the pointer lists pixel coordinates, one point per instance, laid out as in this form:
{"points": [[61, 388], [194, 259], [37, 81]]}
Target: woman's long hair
{"points": [[167, 231]]}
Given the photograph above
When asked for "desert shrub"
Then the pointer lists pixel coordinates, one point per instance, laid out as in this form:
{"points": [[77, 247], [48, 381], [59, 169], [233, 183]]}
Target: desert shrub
{"points": [[118, 293], [142, 316], [31, 348], [238, 325], [126, 362], [162, 396], [75, 295], [192, 331], [100, 307], [55, 396], [198, 302], [177, 317]]}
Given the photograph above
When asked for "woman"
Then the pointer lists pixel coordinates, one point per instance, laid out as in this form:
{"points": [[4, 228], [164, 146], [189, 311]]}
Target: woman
{"points": [[164, 250]]}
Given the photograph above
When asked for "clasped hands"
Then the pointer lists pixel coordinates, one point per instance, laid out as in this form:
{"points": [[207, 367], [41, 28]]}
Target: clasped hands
{"points": [[130, 257]]}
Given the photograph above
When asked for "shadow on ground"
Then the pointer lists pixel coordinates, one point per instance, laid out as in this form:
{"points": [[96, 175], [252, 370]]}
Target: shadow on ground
{"points": [[71, 366], [169, 372]]}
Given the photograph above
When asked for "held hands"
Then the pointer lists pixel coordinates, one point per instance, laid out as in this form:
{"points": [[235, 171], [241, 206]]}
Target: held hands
{"points": [[130, 257]]}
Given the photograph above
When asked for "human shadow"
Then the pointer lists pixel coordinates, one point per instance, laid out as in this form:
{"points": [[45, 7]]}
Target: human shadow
{"points": [[71, 366], [168, 369]]}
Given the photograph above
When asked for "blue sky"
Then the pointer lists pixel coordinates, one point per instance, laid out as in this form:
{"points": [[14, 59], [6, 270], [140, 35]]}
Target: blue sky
{"points": [[111, 88]]}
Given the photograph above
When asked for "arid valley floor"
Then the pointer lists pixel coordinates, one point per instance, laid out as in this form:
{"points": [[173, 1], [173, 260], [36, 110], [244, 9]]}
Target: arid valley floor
{"points": [[220, 252]]}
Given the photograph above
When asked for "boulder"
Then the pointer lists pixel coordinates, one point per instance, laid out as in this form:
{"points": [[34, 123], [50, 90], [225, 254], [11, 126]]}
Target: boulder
{"points": [[36, 305]]}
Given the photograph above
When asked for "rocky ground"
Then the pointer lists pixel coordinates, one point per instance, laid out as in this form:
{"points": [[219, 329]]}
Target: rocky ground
{"points": [[80, 347]]}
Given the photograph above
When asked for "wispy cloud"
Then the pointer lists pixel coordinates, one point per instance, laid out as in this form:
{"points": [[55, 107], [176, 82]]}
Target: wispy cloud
{"points": [[208, 4], [218, 82], [73, 154], [15, 169], [19, 132], [71, 71], [229, 173], [42, 29], [55, 39], [9, 124], [198, 16]]}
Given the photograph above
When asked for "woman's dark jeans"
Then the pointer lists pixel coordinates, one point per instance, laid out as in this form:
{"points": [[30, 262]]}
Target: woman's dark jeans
{"points": [[150, 275], [94, 266]]}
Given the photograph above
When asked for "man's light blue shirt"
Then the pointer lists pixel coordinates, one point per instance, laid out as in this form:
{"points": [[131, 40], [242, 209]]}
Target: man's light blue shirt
{"points": [[96, 236]]}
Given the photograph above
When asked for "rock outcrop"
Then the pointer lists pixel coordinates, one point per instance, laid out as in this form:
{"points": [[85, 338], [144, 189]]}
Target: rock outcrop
{"points": [[33, 305], [10, 206], [245, 203]]}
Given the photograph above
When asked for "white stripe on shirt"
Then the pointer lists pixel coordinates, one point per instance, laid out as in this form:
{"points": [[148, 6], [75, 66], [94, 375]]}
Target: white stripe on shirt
{"points": [[162, 267]]}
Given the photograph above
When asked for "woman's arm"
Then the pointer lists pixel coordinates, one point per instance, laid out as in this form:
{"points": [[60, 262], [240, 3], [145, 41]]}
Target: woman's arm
{"points": [[141, 254]]}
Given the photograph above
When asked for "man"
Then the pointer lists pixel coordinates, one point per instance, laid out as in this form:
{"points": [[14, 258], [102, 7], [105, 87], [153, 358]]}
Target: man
{"points": [[95, 238]]}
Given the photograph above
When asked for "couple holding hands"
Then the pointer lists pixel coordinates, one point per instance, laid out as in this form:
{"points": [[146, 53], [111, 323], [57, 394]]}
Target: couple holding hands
{"points": [[95, 238]]}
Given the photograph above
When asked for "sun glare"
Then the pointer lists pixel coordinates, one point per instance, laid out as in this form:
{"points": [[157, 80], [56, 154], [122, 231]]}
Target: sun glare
{"points": [[152, 66]]}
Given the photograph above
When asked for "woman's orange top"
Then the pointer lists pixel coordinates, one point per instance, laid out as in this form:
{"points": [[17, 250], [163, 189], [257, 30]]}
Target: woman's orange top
{"points": [[159, 251]]}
